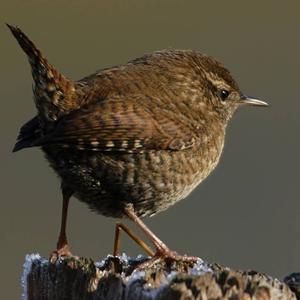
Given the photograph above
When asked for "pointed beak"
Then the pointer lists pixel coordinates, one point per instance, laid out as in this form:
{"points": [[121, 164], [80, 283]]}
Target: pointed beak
{"points": [[245, 100]]}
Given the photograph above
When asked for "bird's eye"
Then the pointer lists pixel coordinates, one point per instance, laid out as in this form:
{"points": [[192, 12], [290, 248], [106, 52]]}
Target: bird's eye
{"points": [[224, 94]]}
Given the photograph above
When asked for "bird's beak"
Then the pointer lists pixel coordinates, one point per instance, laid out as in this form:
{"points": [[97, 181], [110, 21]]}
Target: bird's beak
{"points": [[245, 100]]}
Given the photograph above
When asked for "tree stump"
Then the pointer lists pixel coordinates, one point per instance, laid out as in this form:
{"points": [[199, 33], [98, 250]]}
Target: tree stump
{"points": [[115, 279]]}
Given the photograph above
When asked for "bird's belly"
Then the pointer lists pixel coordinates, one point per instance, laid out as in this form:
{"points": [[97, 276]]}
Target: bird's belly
{"points": [[152, 181]]}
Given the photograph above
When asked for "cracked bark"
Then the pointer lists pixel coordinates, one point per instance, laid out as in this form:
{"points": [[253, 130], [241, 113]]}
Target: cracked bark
{"points": [[75, 279]]}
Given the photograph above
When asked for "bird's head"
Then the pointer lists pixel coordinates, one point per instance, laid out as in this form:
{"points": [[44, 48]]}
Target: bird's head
{"points": [[221, 92]]}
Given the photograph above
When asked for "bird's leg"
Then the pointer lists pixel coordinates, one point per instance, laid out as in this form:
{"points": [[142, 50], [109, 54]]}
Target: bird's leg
{"points": [[62, 246], [162, 250], [125, 228]]}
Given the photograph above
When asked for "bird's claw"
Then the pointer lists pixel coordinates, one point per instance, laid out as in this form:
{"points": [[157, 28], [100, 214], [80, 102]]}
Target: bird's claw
{"points": [[61, 252], [168, 256]]}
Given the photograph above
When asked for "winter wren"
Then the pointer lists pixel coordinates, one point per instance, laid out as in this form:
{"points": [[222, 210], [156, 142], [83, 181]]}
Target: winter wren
{"points": [[132, 140]]}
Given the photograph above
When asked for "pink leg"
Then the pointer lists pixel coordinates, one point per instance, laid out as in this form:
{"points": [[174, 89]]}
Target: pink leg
{"points": [[141, 243], [162, 250], [62, 247]]}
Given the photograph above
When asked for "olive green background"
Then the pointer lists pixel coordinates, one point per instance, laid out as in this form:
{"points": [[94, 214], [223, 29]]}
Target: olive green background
{"points": [[246, 214]]}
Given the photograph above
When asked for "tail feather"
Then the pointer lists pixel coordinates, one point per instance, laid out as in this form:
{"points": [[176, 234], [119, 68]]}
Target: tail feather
{"points": [[54, 93], [34, 55]]}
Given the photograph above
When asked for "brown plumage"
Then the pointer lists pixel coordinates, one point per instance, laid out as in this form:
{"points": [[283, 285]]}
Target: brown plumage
{"points": [[145, 133]]}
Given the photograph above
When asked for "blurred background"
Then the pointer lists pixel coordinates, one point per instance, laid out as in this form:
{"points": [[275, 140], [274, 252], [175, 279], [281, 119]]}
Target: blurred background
{"points": [[246, 214]]}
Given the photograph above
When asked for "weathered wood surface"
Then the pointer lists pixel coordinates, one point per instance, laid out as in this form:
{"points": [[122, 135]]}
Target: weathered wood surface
{"points": [[113, 279]]}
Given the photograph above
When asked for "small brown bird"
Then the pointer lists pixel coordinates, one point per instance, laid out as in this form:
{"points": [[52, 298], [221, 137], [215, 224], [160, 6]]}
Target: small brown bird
{"points": [[132, 140]]}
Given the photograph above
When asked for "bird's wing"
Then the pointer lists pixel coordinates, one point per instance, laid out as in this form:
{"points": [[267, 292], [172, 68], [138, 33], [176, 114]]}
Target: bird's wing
{"points": [[118, 126]]}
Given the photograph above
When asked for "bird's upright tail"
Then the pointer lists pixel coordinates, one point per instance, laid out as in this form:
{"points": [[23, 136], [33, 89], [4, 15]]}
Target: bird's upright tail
{"points": [[54, 93]]}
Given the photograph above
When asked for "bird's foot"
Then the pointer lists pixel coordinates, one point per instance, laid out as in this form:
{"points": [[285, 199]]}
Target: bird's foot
{"points": [[163, 253], [168, 256], [63, 251]]}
